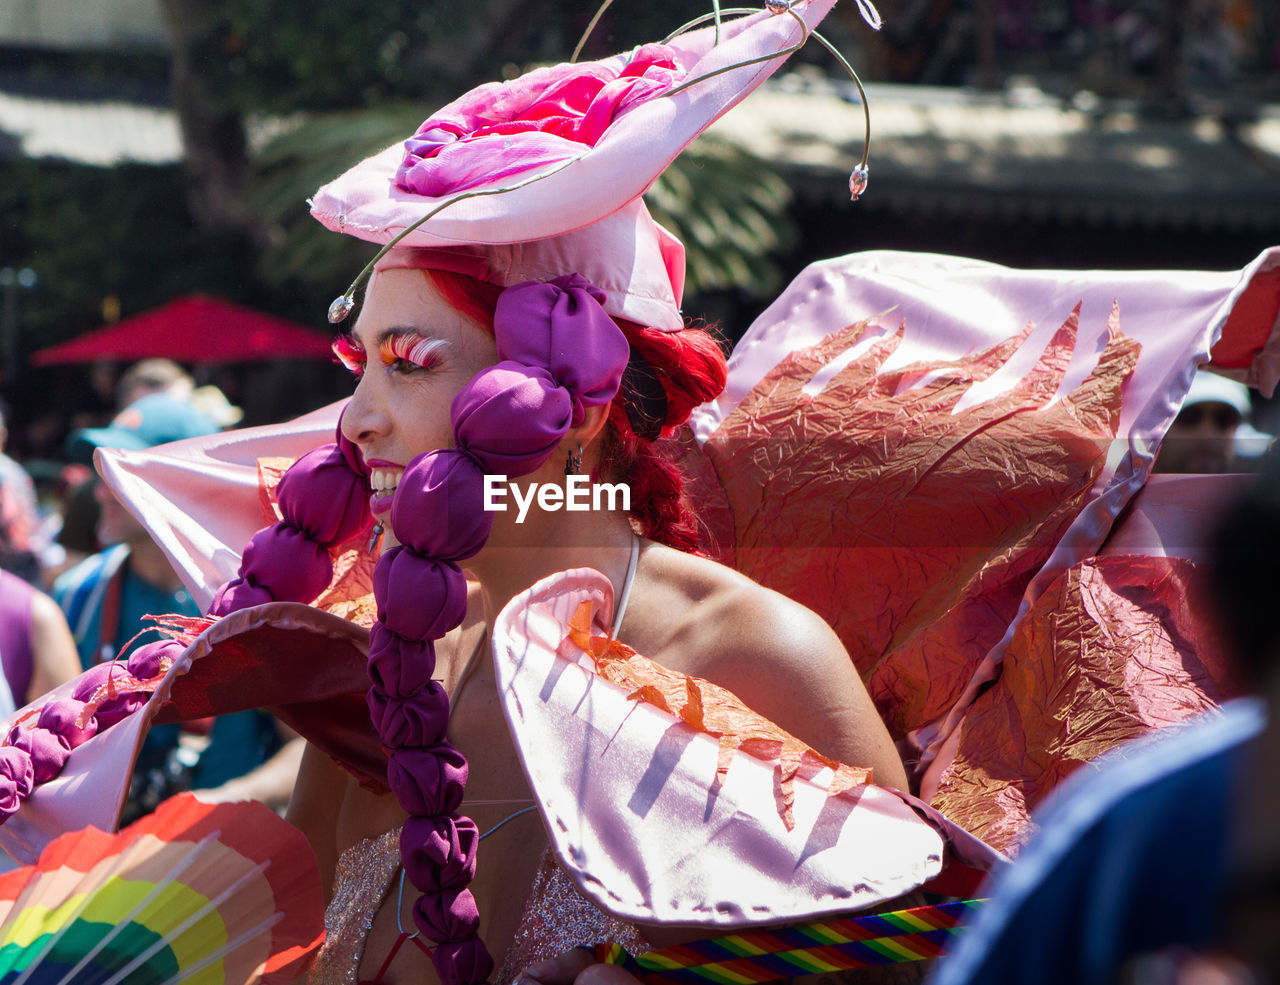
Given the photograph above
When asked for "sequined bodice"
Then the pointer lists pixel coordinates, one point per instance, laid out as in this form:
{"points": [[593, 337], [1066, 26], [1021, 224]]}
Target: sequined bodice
{"points": [[556, 916], [364, 873]]}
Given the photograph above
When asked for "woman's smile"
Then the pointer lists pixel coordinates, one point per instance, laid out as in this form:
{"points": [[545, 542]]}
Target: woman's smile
{"points": [[384, 477]]}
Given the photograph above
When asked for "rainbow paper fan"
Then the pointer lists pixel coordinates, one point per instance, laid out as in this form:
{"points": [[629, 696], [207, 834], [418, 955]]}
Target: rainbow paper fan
{"points": [[200, 893]]}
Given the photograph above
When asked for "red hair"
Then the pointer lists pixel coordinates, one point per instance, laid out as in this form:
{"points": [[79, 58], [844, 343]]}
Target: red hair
{"points": [[690, 367]]}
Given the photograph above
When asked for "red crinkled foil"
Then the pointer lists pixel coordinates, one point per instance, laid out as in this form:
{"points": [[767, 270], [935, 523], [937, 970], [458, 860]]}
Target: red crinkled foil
{"points": [[931, 521], [1116, 646]]}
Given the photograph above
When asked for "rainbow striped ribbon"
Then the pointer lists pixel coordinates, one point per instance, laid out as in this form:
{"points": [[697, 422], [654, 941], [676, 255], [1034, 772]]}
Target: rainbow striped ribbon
{"points": [[767, 955]]}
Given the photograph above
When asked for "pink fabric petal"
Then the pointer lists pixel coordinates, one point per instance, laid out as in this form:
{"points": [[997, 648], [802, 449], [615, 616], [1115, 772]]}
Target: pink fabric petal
{"points": [[498, 131]]}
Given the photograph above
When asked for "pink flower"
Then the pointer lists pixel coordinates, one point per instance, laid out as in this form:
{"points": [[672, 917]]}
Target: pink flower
{"points": [[501, 130]]}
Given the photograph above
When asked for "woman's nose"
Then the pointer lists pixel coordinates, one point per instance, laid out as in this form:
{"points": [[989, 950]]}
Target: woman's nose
{"points": [[362, 422]]}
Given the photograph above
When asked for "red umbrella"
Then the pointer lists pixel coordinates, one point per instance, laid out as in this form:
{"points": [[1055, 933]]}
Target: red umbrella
{"points": [[195, 329]]}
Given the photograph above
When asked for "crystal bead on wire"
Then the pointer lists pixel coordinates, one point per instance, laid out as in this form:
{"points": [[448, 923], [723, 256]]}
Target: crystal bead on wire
{"points": [[857, 183], [340, 308], [778, 6]]}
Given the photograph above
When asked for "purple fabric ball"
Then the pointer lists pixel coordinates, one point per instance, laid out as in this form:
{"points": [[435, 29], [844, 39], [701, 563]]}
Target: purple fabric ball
{"points": [[561, 326], [61, 716], [113, 709], [323, 497], [419, 598], [48, 752], [449, 915], [16, 778], [238, 594], [428, 782], [287, 563], [397, 665], [419, 720], [510, 417], [439, 853], [438, 510], [462, 962], [145, 663]]}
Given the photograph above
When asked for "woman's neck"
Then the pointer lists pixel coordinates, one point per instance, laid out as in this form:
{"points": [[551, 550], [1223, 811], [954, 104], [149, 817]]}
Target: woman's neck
{"points": [[516, 558]]}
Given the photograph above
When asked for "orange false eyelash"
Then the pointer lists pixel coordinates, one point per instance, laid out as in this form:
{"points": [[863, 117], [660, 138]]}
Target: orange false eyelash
{"points": [[349, 354], [411, 349]]}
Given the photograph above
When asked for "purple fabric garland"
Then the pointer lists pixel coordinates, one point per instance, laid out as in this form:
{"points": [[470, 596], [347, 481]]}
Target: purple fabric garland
{"points": [[560, 353]]}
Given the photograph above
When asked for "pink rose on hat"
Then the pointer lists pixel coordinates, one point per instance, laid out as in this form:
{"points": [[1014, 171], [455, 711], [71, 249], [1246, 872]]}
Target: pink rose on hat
{"points": [[555, 111]]}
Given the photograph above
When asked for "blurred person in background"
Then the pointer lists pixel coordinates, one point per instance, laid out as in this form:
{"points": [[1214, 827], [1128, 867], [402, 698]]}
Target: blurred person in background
{"points": [[1212, 433], [105, 599], [107, 594], [19, 517], [72, 526], [153, 376], [36, 649]]}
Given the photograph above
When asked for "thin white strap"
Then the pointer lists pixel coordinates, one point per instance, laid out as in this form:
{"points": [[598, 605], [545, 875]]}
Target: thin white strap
{"points": [[625, 596]]}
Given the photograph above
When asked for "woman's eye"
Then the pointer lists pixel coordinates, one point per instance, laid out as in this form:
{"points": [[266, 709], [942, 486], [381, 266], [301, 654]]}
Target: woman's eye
{"points": [[410, 353], [405, 366]]}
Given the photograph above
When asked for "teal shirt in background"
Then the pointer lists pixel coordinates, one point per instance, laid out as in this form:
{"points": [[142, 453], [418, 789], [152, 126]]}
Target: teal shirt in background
{"points": [[239, 742], [83, 589]]}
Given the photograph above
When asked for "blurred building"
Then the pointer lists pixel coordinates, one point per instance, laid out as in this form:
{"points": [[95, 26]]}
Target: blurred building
{"points": [[76, 24]]}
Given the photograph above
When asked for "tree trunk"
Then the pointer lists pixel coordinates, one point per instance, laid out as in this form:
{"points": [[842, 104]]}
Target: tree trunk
{"points": [[214, 141]]}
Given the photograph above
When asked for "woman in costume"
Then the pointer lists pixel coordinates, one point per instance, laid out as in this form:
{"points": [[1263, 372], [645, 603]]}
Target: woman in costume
{"points": [[423, 337], [542, 345], [556, 390]]}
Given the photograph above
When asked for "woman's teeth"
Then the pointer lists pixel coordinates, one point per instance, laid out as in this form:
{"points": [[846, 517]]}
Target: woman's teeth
{"points": [[384, 481]]}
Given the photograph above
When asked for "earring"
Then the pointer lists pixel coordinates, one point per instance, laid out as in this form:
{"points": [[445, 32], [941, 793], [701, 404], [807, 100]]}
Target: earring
{"points": [[376, 536], [573, 462]]}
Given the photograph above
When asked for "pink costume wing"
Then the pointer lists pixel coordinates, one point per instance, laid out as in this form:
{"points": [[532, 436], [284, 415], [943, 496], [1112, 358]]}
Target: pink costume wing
{"points": [[1128, 624], [657, 834], [918, 447], [201, 499]]}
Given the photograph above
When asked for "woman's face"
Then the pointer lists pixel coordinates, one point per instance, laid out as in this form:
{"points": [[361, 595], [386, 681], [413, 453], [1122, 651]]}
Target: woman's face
{"points": [[412, 354]]}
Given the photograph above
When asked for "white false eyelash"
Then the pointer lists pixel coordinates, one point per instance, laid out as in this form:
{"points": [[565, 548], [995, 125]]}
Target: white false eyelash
{"points": [[423, 350]]}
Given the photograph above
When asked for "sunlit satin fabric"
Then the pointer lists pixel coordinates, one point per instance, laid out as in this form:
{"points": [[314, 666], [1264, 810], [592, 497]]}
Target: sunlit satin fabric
{"points": [[636, 813], [202, 500], [278, 654]]}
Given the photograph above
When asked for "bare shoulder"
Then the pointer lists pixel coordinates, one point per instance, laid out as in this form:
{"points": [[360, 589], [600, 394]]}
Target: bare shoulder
{"points": [[715, 619], [779, 657]]}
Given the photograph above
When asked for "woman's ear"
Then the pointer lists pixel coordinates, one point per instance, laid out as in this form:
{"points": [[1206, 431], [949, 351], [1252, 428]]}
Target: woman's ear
{"points": [[593, 421], [584, 435]]}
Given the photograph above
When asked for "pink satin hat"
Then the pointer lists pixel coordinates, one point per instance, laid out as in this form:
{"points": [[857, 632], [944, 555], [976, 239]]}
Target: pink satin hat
{"points": [[637, 263], [542, 176]]}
